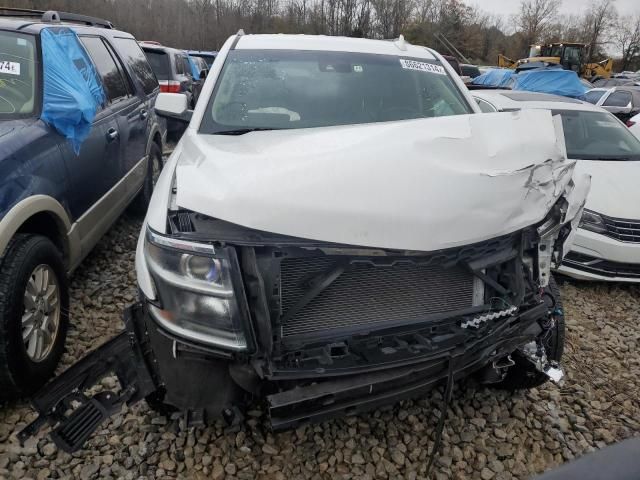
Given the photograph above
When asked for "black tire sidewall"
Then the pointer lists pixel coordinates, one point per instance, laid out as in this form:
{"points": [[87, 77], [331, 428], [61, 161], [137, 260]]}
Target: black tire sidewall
{"points": [[155, 157], [23, 255], [141, 202]]}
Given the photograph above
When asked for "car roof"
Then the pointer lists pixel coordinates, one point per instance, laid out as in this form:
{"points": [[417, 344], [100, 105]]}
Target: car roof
{"points": [[203, 53], [34, 26], [508, 99], [160, 48], [398, 48]]}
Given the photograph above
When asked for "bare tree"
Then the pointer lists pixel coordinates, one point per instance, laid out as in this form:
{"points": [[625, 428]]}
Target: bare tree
{"points": [[535, 16], [206, 24], [627, 38], [599, 19]]}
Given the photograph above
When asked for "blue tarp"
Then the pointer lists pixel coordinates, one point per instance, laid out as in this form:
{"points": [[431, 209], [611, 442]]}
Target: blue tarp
{"points": [[195, 73], [495, 77], [553, 80], [72, 93]]}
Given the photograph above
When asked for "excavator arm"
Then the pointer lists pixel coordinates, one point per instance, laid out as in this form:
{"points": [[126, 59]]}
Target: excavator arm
{"points": [[601, 69], [506, 62]]}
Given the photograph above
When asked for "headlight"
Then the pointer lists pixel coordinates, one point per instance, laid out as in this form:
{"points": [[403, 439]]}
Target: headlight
{"points": [[196, 292], [593, 222]]}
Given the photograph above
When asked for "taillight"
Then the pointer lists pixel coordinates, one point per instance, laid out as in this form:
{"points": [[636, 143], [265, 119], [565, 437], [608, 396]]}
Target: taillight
{"points": [[630, 124], [169, 86]]}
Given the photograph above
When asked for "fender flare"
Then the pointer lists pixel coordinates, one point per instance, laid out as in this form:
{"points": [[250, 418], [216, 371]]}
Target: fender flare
{"points": [[30, 206]]}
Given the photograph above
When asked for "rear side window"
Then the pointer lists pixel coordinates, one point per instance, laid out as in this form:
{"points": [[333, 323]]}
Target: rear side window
{"points": [[159, 62], [132, 55], [112, 76], [594, 96], [617, 99], [177, 60], [181, 65]]}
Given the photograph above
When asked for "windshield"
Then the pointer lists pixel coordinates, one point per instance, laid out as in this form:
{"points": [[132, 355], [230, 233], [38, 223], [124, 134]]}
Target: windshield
{"points": [[597, 136], [159, 62], [18, 75], [207, 59], [275, 89]]}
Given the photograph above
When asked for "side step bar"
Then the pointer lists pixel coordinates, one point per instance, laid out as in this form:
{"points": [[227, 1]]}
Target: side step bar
{"points": [[63, 403]]}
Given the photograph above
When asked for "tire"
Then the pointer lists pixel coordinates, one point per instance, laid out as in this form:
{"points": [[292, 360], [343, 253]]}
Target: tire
{"points": [[25, 365], [523, 375], [140, 204]]}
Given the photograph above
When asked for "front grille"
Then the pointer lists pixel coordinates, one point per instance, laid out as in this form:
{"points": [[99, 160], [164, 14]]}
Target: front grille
{"points": [[623, 230], [369, 293], [599, 266]]}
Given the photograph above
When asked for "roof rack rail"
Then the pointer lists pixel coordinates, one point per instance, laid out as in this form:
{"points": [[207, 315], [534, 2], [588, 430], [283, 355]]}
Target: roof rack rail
{"points": [[52, 16]]}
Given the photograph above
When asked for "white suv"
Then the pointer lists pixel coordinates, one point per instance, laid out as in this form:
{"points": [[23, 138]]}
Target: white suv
{"points": [[339, 229]]}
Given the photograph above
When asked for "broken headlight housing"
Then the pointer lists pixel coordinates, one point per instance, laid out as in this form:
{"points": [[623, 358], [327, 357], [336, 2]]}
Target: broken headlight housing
{"points": [[593, 222], [195, 287]]}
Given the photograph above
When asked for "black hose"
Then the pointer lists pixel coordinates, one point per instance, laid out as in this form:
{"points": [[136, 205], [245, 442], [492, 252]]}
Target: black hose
{"points": [[446, 401]]}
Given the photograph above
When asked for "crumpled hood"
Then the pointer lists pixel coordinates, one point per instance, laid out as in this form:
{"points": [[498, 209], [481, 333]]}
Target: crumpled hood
{"points": [[422, 184]]}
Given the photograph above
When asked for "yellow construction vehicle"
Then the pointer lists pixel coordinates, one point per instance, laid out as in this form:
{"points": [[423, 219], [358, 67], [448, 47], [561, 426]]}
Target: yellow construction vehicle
{"points": [[568, 54]]}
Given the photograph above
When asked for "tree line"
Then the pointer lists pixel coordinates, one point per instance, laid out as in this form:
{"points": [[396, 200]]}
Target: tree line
{"points": [[480, 36]]}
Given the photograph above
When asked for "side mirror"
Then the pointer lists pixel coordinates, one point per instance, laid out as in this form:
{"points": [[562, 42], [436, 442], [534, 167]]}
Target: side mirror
{"points": [[173, 105], [203, 73]]}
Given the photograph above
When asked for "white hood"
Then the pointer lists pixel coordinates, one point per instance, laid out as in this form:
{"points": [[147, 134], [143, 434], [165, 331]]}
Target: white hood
{"points": [[615, 189], [421, 184]]}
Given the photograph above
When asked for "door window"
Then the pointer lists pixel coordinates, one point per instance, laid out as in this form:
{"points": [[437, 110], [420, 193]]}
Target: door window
{"points": [[113, 80], [180, 66], [134, 57], [617, 99]]}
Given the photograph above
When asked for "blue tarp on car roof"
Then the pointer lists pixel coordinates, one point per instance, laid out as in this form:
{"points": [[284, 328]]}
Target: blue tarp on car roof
{"points": [[550, 80], [72, 92], [495, 77]]}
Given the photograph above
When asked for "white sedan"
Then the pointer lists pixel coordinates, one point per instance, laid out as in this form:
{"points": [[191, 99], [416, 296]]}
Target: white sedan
{"points": [[634, 125], [607, 244]]}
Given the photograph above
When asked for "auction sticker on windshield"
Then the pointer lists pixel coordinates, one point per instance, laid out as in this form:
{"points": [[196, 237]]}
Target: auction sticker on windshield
{"points": [[422, 66], [12, 68]]}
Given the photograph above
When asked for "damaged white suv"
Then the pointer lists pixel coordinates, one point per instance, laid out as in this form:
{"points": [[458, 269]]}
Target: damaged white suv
{"points": [[336, 230]]}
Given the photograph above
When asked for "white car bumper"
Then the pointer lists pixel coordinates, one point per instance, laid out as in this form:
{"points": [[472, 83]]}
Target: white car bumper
{"points": [[595, 256]]}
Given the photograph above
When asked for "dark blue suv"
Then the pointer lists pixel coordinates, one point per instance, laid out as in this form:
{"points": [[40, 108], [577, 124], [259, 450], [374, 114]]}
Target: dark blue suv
{"points": [[79, 142]]}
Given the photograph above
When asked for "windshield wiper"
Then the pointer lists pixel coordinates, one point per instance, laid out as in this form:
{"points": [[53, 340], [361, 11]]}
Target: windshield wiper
{"points": [[242, 131]]}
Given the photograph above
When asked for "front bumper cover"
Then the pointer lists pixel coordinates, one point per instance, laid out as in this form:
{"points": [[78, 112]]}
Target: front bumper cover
{"points": [[66, 405]]}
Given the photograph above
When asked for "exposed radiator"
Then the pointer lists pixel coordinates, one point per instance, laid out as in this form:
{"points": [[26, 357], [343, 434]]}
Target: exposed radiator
{"points": [[368, 294]]}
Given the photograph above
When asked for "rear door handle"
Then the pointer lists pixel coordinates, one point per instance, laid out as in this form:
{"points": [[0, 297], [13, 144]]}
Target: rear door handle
{"points": [[112, 134], [144, 114]]}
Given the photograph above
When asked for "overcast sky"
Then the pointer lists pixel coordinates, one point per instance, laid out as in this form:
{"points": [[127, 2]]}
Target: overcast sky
{"points": [[508, 7]]}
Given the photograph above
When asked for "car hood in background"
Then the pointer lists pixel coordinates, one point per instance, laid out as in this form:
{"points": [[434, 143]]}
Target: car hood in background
{"points": [[422, 184], [614, 188]]}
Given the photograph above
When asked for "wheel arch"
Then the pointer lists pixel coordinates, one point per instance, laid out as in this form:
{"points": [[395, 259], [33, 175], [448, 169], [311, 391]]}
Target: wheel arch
{"points": [[42, 215]]}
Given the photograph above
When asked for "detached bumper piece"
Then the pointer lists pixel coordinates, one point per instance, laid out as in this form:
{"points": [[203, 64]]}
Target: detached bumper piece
{"points": [[73, 415]]}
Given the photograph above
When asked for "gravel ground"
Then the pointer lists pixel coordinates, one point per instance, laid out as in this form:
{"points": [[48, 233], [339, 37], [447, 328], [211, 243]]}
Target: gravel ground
{"points": [[489, 434]]}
